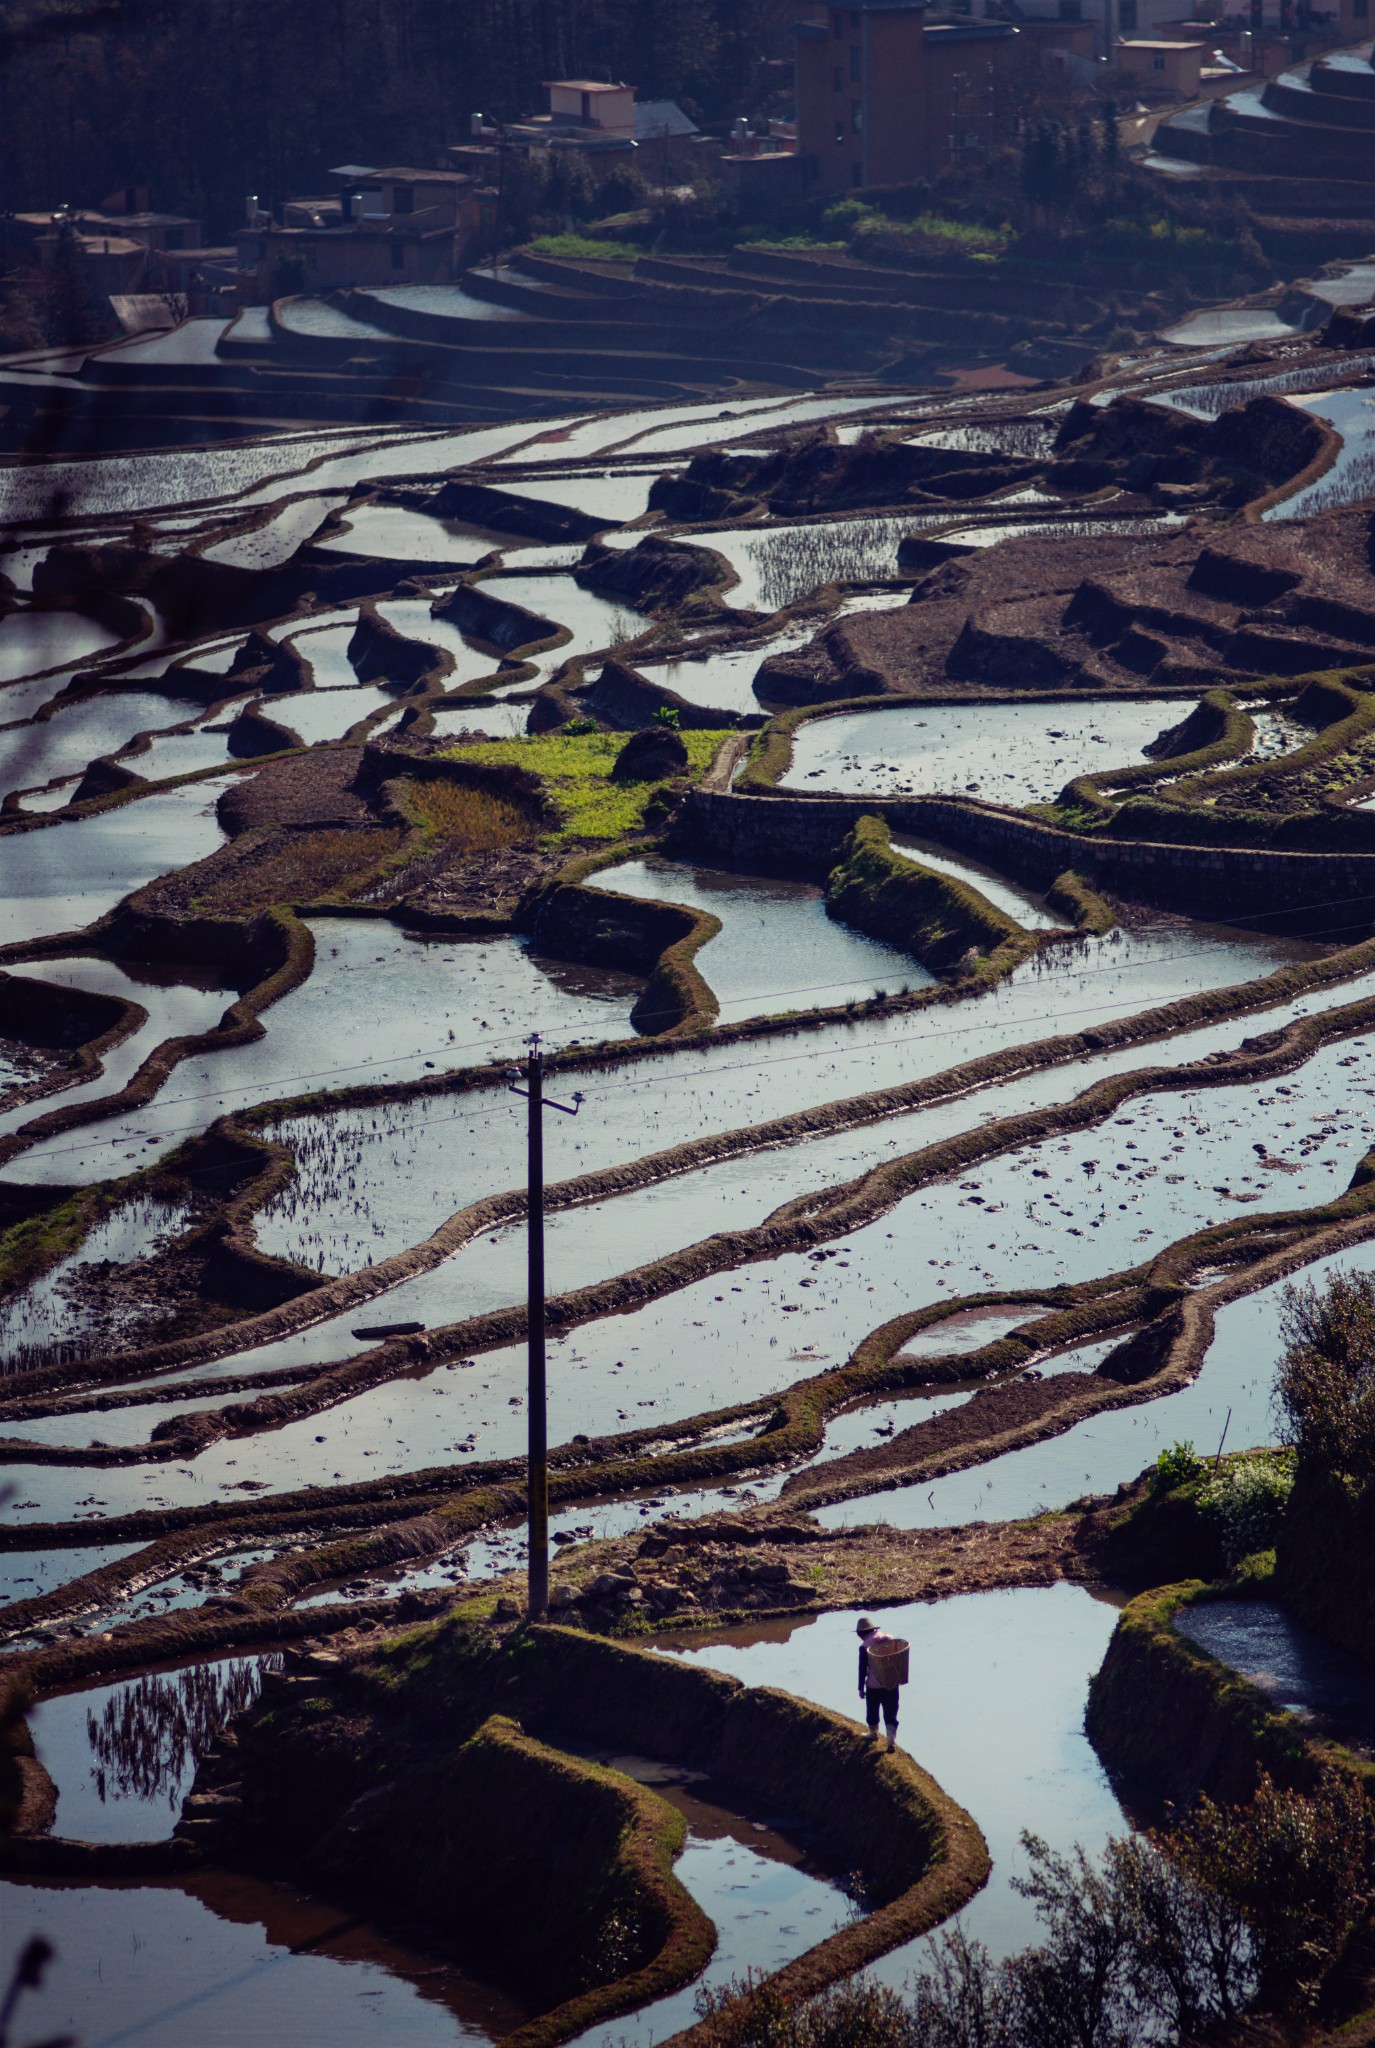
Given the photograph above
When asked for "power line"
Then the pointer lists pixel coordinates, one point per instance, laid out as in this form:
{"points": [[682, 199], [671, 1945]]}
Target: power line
{"points": [[660, 1079], [763, 995]]}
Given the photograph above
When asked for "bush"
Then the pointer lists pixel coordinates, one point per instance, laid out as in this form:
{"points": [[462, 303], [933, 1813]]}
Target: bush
{"points": [[582, 248], [1297, 1866], [1136, 1950], [1325, 1389], [1245, 1501], [1179, 1466]]}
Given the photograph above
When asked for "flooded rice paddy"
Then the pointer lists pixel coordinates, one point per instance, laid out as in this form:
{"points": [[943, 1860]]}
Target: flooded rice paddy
{"points": [[769, 927], [995, 1707], [62, 877], [994, 1711], [376, 1007], [1300, 1672], [1003, 753]]}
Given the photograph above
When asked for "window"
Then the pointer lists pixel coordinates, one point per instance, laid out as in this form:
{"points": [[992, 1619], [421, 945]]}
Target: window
{"points": [[1071, 10], [1361, 9], [837, 22], [837, 80], [1126, 17], [840, 133], [856, 117], [403, 199], [856, 57], [1157, 63], [856, 174], [398, 255]]}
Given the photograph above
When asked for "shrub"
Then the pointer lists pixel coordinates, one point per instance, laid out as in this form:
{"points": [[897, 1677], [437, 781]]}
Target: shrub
{"points": [[582, 248], [1245, 1501], [668, 714], [1179, 1466], [1325, 1389], [1137, 1949], [1297, 1865]]}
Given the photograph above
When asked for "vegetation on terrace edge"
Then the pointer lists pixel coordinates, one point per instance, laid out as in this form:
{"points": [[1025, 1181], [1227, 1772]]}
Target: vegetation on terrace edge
{"points": [[575, 769]]}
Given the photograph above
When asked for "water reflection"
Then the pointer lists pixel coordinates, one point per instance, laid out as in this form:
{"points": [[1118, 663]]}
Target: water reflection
{"points": [[123, 1756]]}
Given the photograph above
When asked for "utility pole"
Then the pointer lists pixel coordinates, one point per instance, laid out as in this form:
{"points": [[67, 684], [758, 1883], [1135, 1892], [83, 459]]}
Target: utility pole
{"points": [[537, 1470]]}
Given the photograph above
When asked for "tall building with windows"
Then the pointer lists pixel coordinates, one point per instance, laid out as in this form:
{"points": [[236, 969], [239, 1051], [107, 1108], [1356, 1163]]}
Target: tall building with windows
{"points": [[885, 94]]}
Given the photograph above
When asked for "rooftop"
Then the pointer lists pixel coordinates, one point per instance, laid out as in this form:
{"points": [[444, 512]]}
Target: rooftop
{"points": [[584, 85], [661, 117], [409, 174]]}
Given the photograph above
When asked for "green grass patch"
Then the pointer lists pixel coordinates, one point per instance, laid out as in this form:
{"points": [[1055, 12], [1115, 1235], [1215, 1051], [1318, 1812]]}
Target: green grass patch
{"points": [[584, 248], [802, 240], [966, 237], [576, 770]]}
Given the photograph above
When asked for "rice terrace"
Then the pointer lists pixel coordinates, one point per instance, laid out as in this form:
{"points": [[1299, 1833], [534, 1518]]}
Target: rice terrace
{"points": [[744, 655]]}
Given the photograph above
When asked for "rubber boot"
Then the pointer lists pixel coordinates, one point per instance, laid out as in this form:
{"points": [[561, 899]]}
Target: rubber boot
{"points": [[892, 1740]]}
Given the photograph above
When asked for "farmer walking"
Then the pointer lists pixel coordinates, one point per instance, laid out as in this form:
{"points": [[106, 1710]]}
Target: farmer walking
{"points": [[882, 1670]]}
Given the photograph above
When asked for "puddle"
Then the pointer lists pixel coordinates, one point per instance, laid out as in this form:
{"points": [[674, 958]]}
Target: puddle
{"points": [[31, 642], [238, 1961], [123, 1756], [1028, 908], [769, 929], [1032, 438], [1004, 753], [192, 342], [65, 876], [318, 318], [21, 700], [375, 1007], [105, 1426], [248, 471], [1299, 1671], [182, 753], [1210, 399], [994, 1711], [768, 413], [566, 441], [324, 649]]}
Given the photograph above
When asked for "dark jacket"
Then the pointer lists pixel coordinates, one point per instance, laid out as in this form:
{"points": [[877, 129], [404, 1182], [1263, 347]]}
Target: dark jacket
{"points": [[878, 1636]]}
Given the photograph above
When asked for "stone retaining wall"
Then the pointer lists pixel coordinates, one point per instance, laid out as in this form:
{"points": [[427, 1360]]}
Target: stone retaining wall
{"points": [[799, 834]]}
